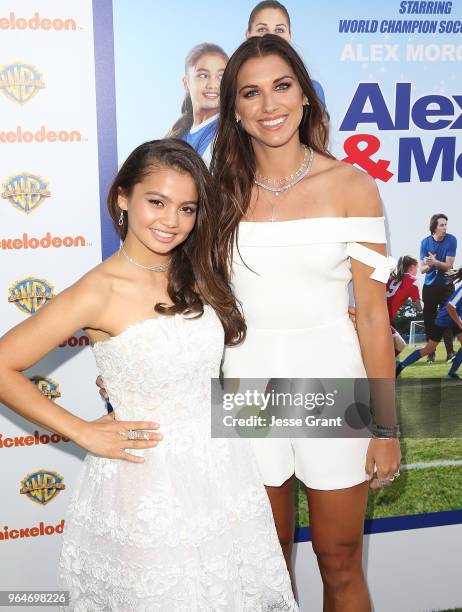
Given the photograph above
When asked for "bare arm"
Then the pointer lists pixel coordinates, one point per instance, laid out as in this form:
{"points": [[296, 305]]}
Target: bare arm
{"points": [[75, 308], [371, 307], [452, 312], [418, 305], [374, 335]]}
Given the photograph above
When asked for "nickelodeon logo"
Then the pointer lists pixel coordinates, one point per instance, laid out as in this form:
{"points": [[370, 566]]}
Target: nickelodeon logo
{"points": [[75, 341], [31, 532], [34, 440], [25, 191], [46, 242], [20, 82], [30, 294], [37, 23], [42, 486], [41, 135]]}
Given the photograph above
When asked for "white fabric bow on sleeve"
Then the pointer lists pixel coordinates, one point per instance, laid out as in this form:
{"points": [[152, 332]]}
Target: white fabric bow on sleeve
{"points": [[383, 265]]}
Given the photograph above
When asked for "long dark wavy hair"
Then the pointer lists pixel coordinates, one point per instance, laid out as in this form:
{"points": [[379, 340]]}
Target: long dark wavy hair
{"points": [[403, 265], [233, 159], [185, 121], [197, 272]]}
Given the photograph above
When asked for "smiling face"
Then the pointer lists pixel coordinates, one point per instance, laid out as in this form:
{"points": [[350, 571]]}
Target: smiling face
{"points": [[162, 211], [202, 82], [270, 21], [269, 100]]}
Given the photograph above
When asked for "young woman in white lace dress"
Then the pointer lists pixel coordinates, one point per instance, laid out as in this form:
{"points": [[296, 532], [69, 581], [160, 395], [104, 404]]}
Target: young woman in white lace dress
{"points": [[179, 522], [299, 225]]}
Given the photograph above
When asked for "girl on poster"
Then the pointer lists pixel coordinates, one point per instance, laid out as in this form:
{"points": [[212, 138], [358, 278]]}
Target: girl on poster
{"points": [[292, 218], [198, 122], [272, 17], [186, 525], [401, 287]]}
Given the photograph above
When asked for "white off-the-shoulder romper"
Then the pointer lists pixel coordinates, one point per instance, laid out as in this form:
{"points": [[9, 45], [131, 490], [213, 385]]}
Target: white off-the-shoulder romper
{"points": [[294, 294]]}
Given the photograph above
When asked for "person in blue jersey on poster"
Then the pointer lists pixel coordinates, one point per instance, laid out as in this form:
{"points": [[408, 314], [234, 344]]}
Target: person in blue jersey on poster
{"points": [[198, 122], [272, 17], [437, 254], [450, 316]]}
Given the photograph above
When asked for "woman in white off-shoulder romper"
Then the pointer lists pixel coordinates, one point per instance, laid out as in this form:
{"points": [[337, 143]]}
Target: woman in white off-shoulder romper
{"points": [[299, 226]]}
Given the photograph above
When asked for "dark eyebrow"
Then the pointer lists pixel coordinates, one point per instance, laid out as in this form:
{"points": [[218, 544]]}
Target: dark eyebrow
{"points": [[164, 197], [157, 193], [287, 76], [265, 24]]}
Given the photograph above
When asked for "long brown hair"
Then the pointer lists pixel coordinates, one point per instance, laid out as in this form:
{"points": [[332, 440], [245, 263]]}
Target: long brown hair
{"points": [[185, 121], [403, 265], [233, 159], [194, 276]]}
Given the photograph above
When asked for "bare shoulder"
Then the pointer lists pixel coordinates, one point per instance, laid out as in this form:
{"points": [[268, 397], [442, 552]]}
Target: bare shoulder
{"points": [[361, 196], [93, 290], [354, 190]]}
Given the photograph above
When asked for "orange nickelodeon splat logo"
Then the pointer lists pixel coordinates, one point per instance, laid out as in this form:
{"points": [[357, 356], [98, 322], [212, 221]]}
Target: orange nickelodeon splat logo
{"points": [[43, 134], [37, 22], [45, 242]]}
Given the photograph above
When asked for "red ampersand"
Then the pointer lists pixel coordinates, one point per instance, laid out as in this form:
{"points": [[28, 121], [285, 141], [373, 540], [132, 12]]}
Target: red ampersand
{"points": [[362, 157]]}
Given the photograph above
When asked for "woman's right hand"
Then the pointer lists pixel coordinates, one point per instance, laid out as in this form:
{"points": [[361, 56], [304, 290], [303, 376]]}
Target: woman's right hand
{"points": [[102, 388], [107, 437]]}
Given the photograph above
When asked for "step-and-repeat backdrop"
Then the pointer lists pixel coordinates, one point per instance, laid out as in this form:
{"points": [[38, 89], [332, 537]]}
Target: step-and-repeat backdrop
{"points": [[390, 74]]}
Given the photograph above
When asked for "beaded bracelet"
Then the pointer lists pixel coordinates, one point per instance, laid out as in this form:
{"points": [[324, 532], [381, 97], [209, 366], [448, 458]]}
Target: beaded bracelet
{"points": [[386, 433]]}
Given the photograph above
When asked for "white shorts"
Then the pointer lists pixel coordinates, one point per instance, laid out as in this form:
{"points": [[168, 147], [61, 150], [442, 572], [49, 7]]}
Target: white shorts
{"points": [[320, 463]]}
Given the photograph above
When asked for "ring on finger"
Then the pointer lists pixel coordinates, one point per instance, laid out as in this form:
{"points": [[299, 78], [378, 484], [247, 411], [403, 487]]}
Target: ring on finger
{"points": [[134, 434]]}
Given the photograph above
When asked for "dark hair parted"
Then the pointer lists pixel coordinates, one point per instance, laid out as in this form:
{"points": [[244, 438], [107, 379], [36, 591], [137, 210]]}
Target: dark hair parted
{"points": [[186, 120], [403, 265], [233, 159], [434, 221], [267, 4], [197, 272]]}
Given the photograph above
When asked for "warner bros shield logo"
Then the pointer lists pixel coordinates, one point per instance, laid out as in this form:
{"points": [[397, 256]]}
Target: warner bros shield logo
{"points": [[42, 486]]}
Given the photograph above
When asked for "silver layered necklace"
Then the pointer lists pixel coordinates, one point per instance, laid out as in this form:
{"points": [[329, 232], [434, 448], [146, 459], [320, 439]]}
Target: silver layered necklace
{"points": [[293, 178], [158, 268], [284, 183]]}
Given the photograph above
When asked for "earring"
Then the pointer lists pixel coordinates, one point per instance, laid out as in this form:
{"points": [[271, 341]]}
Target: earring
{"points": [[237, 119], [121, 218]]}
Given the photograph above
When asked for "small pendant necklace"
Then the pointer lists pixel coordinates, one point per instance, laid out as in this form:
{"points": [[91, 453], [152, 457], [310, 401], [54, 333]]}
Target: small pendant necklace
{"points": [[158, 268]]}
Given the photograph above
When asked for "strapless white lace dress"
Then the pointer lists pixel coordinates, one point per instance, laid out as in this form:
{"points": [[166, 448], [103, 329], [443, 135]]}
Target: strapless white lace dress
{"points": [[191, 528]]}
